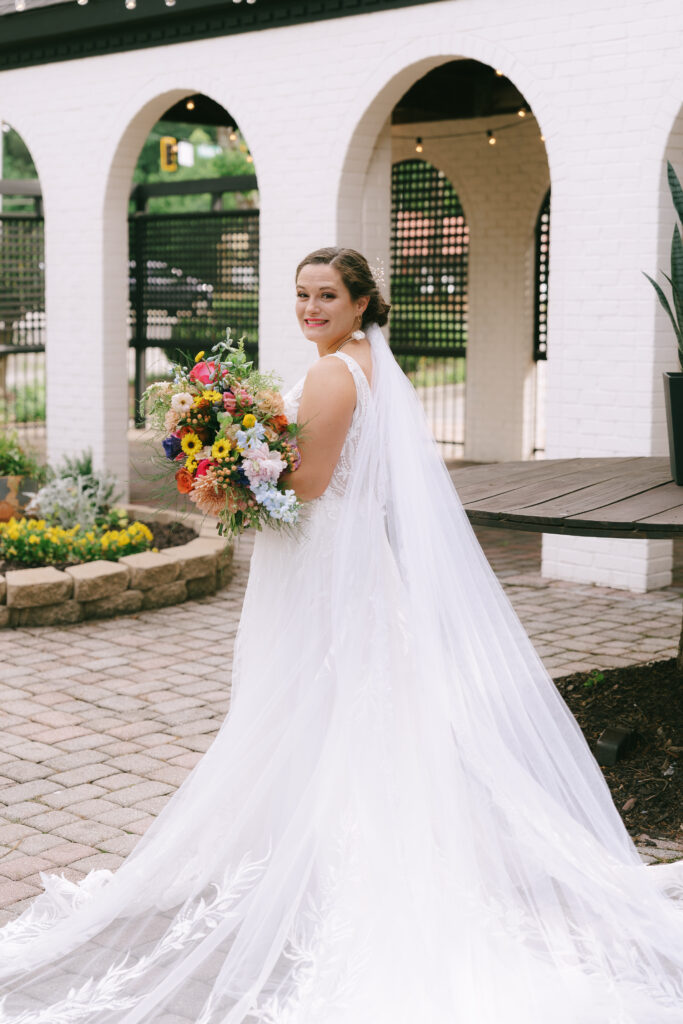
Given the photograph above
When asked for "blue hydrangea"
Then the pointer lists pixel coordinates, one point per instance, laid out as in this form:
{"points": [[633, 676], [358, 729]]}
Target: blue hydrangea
{"points": [[278, 504]]}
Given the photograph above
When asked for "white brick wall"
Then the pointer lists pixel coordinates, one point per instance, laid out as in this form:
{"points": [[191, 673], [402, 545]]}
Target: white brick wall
{"points": [[313, 101]]}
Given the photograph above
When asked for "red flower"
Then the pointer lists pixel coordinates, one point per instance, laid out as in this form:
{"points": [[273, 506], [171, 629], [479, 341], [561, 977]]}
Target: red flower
{"points": [[205, 372], [203, 465]]}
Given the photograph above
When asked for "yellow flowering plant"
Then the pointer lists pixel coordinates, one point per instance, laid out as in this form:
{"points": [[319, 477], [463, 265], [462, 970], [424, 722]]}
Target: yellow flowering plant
{"points": [[33, 542]]}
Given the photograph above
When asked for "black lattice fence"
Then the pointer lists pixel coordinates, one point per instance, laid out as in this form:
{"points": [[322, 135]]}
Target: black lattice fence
{"points": [[429, 254], [192, 275], [22, 325], [541, 283]]}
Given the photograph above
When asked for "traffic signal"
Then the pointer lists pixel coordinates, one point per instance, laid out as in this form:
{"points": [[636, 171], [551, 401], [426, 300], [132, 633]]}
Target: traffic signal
{"points": [[168, 147]]}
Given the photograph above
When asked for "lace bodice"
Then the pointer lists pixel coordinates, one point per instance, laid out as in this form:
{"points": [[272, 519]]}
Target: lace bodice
{"points": [[340, 476]]}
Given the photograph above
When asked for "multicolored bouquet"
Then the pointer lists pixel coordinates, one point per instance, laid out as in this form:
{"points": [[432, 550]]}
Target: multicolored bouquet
{"points": [[228, 438]]}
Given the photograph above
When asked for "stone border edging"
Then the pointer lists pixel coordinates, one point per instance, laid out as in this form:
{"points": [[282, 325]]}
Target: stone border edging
{"points": [[99, 589]]}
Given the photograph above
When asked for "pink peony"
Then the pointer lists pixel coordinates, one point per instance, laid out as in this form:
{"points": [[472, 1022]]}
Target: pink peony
{"points": [[263, 466]]}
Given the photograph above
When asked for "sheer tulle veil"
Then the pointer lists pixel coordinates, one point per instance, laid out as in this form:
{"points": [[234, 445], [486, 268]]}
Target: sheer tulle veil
{"points": [[399, 819]]}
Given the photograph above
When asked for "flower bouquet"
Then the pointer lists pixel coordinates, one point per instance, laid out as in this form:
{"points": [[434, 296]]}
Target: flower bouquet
{"points": [[227, 438]]}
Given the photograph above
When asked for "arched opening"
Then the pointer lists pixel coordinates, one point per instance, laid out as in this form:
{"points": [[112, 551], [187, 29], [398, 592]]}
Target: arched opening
{"points": [[467, 119], [22, 293]]}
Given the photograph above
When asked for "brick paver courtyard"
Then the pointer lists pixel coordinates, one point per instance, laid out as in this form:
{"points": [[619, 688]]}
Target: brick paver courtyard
{"points": [[102, 721]]}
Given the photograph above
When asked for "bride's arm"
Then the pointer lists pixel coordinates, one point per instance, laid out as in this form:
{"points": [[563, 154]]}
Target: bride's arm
{"points": [[325, 412]]}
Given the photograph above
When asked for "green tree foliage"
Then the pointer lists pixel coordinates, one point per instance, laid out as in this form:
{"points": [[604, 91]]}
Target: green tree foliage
{"points": [[231, 160], [16, 162]]}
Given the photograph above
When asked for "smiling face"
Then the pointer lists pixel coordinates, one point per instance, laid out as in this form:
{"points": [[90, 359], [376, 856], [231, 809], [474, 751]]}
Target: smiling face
{"points": [[325, 310]]}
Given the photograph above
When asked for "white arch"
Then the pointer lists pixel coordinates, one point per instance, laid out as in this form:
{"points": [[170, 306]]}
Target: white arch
{"points": [[396, 74]]}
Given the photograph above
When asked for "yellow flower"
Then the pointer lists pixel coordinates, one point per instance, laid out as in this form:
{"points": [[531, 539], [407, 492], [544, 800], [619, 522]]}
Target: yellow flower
{"points": [[211, 395], [200, 355], [191, 443], [33, 539], [249, 421], [190, 464], [220, 449]]}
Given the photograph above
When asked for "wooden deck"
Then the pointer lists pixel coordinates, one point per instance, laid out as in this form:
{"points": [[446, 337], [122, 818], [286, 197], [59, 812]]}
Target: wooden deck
{"points": [[607, 497]]}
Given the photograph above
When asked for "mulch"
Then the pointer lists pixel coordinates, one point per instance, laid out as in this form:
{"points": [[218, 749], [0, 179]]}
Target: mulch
{"points": [[647, 781], [166, 535]]}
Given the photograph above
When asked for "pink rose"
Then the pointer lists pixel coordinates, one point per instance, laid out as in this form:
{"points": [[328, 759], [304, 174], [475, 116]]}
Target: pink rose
{"points": [[205, 372], [202, 466]]}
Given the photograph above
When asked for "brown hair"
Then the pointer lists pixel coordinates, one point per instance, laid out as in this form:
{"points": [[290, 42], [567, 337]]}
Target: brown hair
{"points": [[357, 277]]}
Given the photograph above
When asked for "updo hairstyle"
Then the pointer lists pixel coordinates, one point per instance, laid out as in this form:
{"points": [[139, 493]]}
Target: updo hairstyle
{"points": [[357, 276]]}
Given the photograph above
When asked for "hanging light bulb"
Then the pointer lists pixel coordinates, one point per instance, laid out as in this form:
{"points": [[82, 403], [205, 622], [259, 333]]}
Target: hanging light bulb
{"points": [[250, 158], [19, 5], [418, 145], [542, 137], [491, 138], [190, 103], [521, 112], [82, 3], [131, 5], [170, 3], [499, 72], [233, 135]]}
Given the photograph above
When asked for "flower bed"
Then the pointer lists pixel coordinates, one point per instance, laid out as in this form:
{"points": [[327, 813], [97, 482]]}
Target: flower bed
{"points": [[101, 588]]}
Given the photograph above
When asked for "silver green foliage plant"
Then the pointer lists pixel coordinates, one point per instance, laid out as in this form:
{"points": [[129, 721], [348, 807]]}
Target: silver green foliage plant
{"points": [[76, 494], [676, 279]]}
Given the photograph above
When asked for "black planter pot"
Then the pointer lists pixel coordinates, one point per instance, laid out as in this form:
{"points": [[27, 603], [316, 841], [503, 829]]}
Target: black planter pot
{"points": [[673, 398]]}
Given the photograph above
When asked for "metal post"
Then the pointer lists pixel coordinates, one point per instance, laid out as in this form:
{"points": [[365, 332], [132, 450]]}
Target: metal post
{"points": [[140, 337]]}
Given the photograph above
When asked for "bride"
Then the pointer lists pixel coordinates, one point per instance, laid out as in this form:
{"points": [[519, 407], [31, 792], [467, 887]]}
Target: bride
{"points": [[399, 821]]}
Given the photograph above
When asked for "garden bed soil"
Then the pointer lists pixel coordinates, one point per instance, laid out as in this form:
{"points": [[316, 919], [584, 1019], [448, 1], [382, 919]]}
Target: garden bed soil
{"points": [[647, 782], [165, 535]]}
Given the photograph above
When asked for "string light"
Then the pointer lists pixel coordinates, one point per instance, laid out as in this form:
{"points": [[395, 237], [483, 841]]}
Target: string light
{"points": [[233, 135], [131, 5], [521, 112], [190, 103], [19, 5], [499, 73], [170, 3], [82, 3], [418, 145], [250, 158], [491, 134]]}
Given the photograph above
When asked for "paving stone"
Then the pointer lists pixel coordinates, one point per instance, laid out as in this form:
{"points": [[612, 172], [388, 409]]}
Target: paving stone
{"points": [[138, 763], [123, 817], [121, 845], [48, 820], [86, 833], [131, 796], [86, 773], [35, 844], [10, 892], [13, 833], [25, 771], [28, 791], [21, 867], [98, 862], [74, 795], [68, 853]]}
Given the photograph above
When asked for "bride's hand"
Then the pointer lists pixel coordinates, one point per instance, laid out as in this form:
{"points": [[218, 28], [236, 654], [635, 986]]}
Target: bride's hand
{"points": [[326, 408]]}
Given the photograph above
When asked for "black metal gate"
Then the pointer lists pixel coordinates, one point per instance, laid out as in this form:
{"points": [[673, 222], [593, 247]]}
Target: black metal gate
{"points": [[429, 255], [22, 325], [192, 275]]}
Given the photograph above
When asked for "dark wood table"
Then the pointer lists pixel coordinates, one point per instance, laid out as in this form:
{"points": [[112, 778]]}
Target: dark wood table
{"points": [[607, 497]]}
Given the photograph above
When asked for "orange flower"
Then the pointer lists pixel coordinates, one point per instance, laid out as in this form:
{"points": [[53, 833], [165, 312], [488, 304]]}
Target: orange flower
{"points": [[184, 480], [280, 423]]}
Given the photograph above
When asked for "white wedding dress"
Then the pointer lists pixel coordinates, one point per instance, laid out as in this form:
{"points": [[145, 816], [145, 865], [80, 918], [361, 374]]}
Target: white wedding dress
{"points": [[399, 821]]}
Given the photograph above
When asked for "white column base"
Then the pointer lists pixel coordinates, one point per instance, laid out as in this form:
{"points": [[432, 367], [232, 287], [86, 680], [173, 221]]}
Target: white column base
{"points": [[636, 565]]}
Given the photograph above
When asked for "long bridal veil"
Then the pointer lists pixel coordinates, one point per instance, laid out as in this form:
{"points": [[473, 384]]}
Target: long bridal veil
{"points": [[399, 819]]}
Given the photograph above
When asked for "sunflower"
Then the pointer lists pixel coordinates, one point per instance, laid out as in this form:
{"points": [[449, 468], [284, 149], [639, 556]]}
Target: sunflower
{"points": [[191, 443], [220, 449]]}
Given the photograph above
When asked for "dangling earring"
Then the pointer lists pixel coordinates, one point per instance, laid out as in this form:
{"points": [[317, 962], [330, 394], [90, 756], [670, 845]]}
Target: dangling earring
{"points": [[358, 334]]}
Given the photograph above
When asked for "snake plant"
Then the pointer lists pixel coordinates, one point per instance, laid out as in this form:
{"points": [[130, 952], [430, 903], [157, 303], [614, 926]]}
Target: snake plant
{"points": [[676, 279]]}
